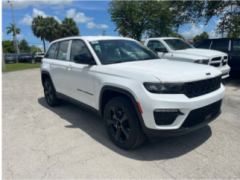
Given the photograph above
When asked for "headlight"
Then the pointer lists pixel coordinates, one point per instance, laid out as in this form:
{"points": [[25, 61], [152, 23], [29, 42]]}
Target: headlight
{"points": [[164, 88], [202, 61]]}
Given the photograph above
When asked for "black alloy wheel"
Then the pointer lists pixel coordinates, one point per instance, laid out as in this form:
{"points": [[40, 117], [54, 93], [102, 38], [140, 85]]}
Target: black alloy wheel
{"points": [[118, 124]]}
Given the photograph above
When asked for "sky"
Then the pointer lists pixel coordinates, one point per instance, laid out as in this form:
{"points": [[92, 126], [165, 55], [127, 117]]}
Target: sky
{"points": [[91, 17]]}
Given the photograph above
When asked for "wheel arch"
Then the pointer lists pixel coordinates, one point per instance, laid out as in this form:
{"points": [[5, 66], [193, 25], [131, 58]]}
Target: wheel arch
{"points": [[45, 75], [109, 92]]}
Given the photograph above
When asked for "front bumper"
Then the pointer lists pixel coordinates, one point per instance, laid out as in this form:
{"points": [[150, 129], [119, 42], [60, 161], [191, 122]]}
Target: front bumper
{"points": [[149, 102], [225, 71], [183, 130]]}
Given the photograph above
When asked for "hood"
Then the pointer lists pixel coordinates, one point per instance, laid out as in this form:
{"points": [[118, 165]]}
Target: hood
{"points": [[166, 70], [201, 52]]}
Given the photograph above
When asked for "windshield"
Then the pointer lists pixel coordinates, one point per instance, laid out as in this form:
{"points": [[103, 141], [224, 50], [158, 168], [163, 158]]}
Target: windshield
{"points": [[116, 51], [177, 44], [42, 54], [9, 55], [25, 54]]}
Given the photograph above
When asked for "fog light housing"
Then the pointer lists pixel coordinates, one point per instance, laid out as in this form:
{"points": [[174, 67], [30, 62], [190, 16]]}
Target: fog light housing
{"points": [[166, 110]]}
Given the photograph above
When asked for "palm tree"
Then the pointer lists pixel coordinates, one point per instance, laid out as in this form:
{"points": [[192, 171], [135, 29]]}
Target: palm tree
{"points": [[52, 29], [11, 29], [38, 29], [69, 28]]}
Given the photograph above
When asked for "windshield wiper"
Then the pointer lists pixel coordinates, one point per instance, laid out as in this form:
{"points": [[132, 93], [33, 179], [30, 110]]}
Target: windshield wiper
{"points": [[115, 62]]}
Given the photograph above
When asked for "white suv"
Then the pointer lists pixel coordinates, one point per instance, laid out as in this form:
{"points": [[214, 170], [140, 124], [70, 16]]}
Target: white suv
{"points": [[178, 50], [127, 84]]}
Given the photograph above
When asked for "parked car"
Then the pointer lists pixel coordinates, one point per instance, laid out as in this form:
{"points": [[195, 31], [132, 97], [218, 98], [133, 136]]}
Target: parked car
{"points": [[26, 57], [38, 56], [130, 87], [178, 50], [230, 46], [10, 58]]}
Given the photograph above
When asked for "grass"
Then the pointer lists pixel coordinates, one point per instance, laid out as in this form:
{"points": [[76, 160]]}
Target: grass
{"points": [[21, 66]]}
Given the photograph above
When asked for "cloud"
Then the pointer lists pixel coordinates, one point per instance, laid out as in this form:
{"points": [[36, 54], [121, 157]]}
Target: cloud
{"points": [[92, 25], [194, 31], [78, 17], [27, 19], [20, 36], [20, 4]]}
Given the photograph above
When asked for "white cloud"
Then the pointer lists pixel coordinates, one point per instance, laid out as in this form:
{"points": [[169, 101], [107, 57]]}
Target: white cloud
{"points": [[19, 4], [20, 36], [92, 25], [194, 31], [27, 20], [78, 17]]}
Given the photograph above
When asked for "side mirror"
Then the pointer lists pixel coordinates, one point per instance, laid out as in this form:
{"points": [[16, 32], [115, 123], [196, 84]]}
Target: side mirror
{"points": [[84, 59], [158, 49]]}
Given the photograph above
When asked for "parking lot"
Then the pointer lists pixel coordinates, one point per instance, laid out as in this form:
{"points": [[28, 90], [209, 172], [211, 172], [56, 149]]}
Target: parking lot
{"points": [[67, 142]]}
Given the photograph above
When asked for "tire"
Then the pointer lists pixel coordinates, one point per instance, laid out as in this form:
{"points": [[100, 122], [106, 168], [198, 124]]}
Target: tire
{"points": [[122, 123], [33, 61], [50, 95]]}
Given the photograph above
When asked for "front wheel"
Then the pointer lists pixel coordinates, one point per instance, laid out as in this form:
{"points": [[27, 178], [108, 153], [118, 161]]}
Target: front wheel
{"points": [[122, 124]]}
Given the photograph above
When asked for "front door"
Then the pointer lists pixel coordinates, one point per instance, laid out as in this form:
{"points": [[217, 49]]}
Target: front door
{"points": [[80, 77], [234, 59]]}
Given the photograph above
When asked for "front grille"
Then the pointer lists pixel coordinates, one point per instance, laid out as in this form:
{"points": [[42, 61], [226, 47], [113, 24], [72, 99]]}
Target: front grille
{"points": [[164, 118], [225, 57], [215, 65], [217, 59], [224, 63], [198, 88], [200, 115]]}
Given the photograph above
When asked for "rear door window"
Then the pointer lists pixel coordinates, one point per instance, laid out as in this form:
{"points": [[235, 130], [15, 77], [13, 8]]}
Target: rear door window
{"points": [[220, 45], [51, 50], [62, 50], [236, 45]]}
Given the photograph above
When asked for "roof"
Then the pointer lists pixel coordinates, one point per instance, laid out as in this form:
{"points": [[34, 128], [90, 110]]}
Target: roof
{"points": [[219, 39], [155, 38], [93, 38]]}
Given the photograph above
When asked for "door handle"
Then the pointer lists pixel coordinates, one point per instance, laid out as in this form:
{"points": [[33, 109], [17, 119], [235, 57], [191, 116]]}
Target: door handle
{"points": [[69, 67], [52, 64]]}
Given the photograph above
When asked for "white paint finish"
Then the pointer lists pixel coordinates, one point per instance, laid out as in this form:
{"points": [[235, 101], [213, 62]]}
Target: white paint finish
{"points": [[130, 76], [190, 55]]}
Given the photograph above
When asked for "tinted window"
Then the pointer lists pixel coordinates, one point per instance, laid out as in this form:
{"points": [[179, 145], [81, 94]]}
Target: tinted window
{"points": [[116, 51], [236, 45], [153, 44], [79, 49], [204, 45], [62, 50], [177, 44], [51, 50], [221, 45]]}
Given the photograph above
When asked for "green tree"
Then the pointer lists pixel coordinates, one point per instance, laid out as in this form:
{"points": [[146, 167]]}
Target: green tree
{"points": [[69, 28], [35, 49], [131, 17], [201, 37], [38, 29], [197, 11], [8, 46], [23, 46], [174, 34], [52, 29], [11, 29]]}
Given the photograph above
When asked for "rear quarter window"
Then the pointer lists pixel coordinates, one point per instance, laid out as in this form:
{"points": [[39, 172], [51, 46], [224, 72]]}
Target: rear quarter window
{"points": [[236, 45]]}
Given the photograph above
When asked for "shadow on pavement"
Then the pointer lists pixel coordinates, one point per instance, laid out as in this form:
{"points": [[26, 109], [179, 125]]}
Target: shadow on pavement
{"points": [[157, 149]]}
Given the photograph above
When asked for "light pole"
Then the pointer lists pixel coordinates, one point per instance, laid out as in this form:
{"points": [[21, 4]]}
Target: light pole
{"points": [[15, 37]]}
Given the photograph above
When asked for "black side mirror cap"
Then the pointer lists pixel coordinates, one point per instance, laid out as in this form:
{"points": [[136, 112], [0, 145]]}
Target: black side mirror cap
{"points": [[81, 59], [158, 49]]}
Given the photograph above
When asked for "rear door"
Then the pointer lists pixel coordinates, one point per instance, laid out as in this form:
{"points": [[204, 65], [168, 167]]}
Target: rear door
{"points": [[234, 56], [58, 67]]}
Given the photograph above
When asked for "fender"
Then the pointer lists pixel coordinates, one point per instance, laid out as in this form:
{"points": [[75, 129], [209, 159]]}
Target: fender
{"points": [[47, 73], [128, 94]]}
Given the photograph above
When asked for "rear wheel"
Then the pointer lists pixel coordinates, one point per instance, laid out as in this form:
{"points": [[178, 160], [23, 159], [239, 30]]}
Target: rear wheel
{"points": [[122, 124], [33, 61], [50, 94]]}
